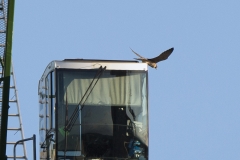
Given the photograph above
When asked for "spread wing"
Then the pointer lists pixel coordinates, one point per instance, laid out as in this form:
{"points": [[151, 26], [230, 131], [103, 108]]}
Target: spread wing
{"points": [[162, 56], [138, 55]]}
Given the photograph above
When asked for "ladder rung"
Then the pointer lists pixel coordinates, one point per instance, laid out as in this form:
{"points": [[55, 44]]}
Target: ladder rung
{"points": [[9, 100], [17, 157], [14, 129], [11, 115], [1, 72], [14, 143], [10, 86]]}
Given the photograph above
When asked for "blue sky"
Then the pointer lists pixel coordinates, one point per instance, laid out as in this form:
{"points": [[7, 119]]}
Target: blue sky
{"points": [[194, 95]]}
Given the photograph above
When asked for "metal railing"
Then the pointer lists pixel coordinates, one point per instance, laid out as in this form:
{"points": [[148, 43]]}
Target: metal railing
{"points": [[33, 138]]}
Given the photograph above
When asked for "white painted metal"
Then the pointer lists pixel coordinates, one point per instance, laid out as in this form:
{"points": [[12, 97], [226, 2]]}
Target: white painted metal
{"points": [[92, 64]]}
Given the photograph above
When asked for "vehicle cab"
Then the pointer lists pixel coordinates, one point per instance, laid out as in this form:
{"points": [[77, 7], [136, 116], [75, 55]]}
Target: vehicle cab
{"points": [[94, 110]]}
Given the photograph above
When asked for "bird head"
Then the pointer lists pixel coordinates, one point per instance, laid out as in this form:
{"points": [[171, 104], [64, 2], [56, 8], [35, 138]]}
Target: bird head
{"points": [[155, 65]]}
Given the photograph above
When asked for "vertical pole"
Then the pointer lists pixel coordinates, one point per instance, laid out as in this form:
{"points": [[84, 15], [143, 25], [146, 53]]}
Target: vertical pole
{"points": [[6, 83], [34, 147]]}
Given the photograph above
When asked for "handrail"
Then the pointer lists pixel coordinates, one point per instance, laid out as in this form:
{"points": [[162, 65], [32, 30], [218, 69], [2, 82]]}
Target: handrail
{"points": [[28, 139]]}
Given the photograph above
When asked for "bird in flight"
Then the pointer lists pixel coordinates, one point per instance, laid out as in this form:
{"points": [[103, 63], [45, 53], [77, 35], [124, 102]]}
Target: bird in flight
{"points": [[152, 62]]}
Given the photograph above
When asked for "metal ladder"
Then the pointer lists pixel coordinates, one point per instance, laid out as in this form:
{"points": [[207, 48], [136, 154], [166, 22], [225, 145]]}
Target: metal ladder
{"points": [[15, 127]]}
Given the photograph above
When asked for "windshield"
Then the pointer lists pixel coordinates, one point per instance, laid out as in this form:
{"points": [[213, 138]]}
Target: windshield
{"points": [[111, 121]]}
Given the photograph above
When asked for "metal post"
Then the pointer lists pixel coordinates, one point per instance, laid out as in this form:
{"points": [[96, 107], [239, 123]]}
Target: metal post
{"points": [[34, 147], [6, 83], [28, 139]]}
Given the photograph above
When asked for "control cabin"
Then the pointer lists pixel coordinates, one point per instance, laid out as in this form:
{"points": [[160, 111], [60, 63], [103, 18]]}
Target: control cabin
{"points": [[94, 110]]}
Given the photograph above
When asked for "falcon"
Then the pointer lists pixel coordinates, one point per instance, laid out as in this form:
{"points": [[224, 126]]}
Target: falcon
{"points": [[152, 62]]}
